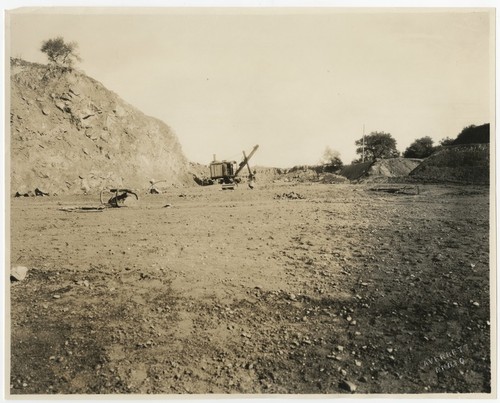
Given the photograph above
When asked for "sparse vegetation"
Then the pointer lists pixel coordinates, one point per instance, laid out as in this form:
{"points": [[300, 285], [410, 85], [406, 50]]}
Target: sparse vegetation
{"points": [[61, 53]]}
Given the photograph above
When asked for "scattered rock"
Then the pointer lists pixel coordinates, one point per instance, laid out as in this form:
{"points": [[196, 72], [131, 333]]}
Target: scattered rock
{"points": [[61, 106], [39, 192], [18, 273], [290, 196], [438, 258], [347, 385]]}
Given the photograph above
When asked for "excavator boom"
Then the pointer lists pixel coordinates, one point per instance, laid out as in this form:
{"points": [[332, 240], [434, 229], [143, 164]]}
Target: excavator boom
{"points": [[245, 160]]}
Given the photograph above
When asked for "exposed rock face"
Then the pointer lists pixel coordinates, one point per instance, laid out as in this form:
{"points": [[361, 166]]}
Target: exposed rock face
{"points": [[69, 134]]}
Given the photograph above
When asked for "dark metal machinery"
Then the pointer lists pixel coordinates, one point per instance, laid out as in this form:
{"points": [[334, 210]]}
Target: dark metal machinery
{"points": [[226, 172], [119, 197]]}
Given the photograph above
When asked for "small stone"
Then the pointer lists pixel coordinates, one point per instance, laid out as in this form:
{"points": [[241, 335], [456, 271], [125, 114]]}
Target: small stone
{"points": [[475, 303], [60, 106], [358, 363], [390, 350], [438, 258], [56, 296], [347, 385], [18, 273], [348, 318], [340, 348], [292, 297]]}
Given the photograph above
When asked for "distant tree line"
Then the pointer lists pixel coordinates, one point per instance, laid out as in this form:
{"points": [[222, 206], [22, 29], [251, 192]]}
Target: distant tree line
{"points": [[424, 147], [379, 145]]}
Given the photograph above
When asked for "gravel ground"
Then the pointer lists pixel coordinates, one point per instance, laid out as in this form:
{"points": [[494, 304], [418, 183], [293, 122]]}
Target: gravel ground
{"points": [[334, 290]]}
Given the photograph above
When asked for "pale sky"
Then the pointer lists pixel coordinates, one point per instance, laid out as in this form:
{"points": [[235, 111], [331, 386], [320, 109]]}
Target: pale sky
{"points": [[293, 81]]}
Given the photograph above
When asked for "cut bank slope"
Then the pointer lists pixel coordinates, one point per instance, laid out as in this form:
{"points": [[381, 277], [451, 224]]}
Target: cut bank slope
{"points": [[69, 134]]}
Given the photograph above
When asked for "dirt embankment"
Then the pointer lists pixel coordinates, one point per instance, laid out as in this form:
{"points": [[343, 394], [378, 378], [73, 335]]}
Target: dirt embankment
{"points": [[468, 163], [69, 134], [380, 170]]}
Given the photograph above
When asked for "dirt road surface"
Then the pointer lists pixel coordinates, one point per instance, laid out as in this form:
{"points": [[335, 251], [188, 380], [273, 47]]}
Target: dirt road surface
{"points": [[345, 290]]}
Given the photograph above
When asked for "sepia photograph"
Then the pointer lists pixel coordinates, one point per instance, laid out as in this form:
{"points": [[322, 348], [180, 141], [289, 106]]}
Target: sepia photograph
{"points": [[249, 202]]}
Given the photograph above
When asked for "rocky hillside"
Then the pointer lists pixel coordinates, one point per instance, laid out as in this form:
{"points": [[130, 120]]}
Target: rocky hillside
{"points": [[69, 134]]}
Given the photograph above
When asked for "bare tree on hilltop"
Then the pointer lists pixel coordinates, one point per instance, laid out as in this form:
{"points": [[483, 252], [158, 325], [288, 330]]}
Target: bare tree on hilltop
{"points": [[60, 53]]}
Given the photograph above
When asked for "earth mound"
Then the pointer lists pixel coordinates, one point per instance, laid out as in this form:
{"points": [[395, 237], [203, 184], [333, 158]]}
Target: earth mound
{"points": [[380, 170], [69, 134], [266, 174], [459, 164]]}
